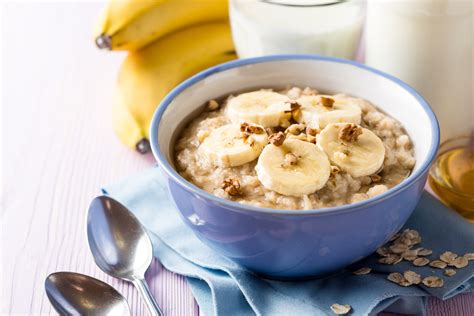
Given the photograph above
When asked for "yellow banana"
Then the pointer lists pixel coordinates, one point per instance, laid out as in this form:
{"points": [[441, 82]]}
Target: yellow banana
{"points": [[132, 24], [147, 75]]}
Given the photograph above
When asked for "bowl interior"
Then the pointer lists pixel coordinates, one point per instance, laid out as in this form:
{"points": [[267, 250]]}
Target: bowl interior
{"points": [[328, 75]]}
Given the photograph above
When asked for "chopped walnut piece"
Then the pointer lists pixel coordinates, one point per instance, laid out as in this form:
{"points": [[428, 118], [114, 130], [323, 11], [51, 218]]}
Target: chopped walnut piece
{"points": [[294, 105], [375, 178], [311, 131], [252, 129], [335, 170], [277, 139], [327, 102], [294, 111], [350, 132], [290, 160], [232, 187], [311, 139], [212, 105]]}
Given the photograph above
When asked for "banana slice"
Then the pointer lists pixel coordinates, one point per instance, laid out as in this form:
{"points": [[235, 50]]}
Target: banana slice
{"points": [[227, 146], [295, 168], [356, 150], [321, 110], [262, 107]]}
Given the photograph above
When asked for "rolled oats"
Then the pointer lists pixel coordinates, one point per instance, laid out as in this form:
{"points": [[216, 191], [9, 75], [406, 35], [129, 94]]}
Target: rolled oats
{"points": [[395, 277], [433, 281], [459, 262], [424, 252], [448, 256], [412, 277], [420, 262], [469, 256], [390, 259], [449, 272], [398, 248], [438, 264], [203, 173], [202, 135], [409, 255], [339, 309], [362, 271]]}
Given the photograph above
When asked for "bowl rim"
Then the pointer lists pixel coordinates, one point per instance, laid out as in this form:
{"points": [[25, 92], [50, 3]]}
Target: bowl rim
{"points": [[172, 173]]}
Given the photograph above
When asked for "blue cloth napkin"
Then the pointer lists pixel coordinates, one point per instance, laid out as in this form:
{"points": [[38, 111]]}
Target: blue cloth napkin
{"points": [[221, 287]]}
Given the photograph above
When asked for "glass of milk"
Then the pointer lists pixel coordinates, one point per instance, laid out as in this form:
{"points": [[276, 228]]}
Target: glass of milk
{"points": [[429, 45], [325, 27]]}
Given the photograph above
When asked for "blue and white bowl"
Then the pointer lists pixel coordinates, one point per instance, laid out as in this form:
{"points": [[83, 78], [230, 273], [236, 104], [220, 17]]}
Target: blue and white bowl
{"points": [[291, 244]]}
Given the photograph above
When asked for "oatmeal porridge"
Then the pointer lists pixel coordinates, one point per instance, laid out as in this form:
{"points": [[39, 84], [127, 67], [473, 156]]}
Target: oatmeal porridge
{"points": [[293, 149]]}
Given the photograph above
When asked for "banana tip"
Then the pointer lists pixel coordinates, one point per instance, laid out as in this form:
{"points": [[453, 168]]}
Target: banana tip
{"points": [[143, 146], [103, 42]]}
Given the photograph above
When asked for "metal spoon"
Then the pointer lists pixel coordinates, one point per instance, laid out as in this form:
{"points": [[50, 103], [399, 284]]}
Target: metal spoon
{"points": [[120, 245], [78, 294]]}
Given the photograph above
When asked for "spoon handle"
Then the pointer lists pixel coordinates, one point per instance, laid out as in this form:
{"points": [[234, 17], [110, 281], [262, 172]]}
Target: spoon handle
{"points": [[150, 301]]}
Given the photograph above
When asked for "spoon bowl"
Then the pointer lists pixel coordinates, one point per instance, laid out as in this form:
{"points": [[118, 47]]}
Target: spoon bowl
{"points": [[78, 294], [120, 245]]}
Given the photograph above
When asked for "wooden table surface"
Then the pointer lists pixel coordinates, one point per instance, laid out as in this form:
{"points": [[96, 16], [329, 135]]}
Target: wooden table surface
{"points": [[59, 149]]}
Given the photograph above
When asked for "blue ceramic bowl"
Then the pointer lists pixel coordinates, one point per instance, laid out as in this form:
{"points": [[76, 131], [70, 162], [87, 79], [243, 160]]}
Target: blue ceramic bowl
{"points": [[289, 244]]}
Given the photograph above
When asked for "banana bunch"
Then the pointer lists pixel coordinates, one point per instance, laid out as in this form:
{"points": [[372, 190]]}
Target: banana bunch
{"points": [[132, 24], [168, 41]]}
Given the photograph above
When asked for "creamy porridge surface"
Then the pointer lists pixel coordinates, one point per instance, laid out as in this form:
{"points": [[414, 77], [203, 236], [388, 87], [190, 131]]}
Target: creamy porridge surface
{"points": [[293, 149]]}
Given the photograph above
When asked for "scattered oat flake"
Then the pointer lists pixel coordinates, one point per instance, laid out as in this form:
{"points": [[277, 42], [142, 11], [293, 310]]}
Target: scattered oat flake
{"points": [[420, 262], [433, 281], [390, 259], [424, 252], [339, 309], [448, 256], [449, 272], [398, 248], [409, 255], [469, 256], [411, 234], [395, 277], [362, 271], [438, 264], [459, 262], [383, 251], [412, 277]]}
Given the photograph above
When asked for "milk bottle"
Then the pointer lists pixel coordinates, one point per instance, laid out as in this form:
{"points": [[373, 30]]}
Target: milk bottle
{"points": [[428, 44]]}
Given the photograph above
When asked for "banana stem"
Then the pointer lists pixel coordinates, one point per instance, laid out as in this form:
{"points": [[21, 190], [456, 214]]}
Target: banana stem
{"points": [[103, 42], [143, 146]]}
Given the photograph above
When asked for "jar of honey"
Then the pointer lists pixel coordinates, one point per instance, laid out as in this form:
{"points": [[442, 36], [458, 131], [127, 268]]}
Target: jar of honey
{"points": [[452, 175]]}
